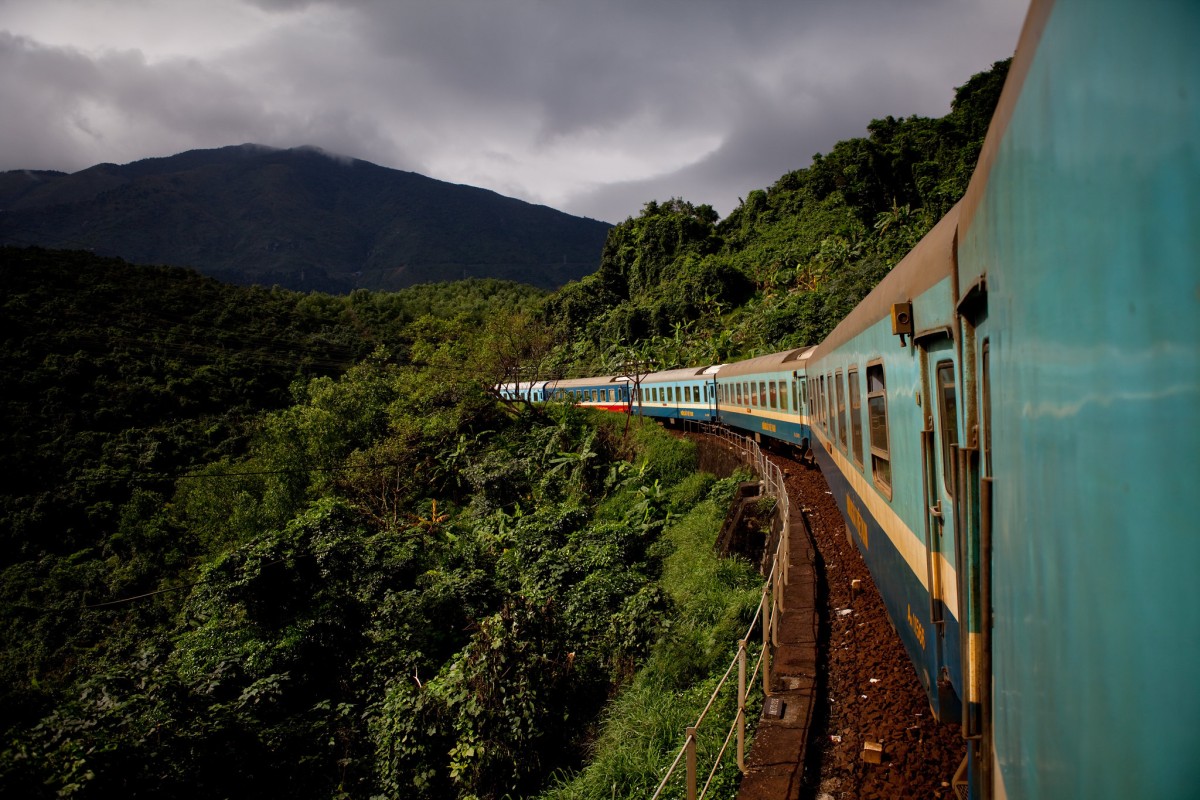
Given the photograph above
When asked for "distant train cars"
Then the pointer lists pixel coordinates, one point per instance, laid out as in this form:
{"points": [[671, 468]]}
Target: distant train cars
{"points": [[680, 394], [1009, 420], [767, 395]]}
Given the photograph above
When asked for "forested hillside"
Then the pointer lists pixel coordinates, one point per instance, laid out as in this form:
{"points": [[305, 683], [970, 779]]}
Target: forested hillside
{"points": [[299, 218], [680, 286], [262, 543]]}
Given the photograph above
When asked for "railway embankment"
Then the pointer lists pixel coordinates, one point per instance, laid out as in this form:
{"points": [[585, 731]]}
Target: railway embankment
{"points": [[851, 718]]}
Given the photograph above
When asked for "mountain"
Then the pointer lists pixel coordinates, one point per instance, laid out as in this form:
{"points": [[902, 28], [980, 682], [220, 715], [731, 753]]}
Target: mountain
{"points": [[299, 218]]}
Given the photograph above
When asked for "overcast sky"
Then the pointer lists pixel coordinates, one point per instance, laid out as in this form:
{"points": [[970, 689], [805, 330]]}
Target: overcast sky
{"points": [[590, 106]]}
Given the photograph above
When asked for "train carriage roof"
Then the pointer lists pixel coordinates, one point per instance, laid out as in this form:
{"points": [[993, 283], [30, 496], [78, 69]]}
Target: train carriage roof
{"points": [[772, 362], [931, 260], [684, 374], [601, 381]]}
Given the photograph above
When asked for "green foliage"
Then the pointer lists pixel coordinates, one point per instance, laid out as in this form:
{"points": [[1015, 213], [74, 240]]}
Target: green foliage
{"points": [[712, 601], [680, 288]]}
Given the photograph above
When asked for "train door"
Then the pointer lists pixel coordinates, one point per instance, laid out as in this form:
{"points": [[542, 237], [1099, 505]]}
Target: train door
{"points": [[939, 452], [975, 523]]}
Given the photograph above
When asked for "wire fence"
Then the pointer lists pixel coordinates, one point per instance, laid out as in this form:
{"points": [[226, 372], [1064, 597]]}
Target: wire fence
{"points": [[769, 609]]}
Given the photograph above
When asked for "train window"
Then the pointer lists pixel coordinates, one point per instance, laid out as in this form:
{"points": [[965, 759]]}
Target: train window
{"points": [[855, 417], [830, 408], [803, 392], [738, 389], [841, 410], [687, 394], [820, 393], [881, 465], [762, 393], [826, 412], [948, 411], [774, 393], [753, 394], [783, 393]]}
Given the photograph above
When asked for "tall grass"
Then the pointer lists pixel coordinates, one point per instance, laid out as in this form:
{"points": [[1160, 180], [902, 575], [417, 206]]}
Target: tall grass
{"points": [[713, 602]]}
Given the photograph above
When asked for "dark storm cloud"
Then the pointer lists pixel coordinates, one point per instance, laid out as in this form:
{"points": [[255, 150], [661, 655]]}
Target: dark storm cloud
{"points": [[595, 107]]}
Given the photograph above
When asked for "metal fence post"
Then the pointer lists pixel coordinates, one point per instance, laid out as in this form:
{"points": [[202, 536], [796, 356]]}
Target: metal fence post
{"points": [[766, 657], [741, 734], [777, 601], [691, 763]]}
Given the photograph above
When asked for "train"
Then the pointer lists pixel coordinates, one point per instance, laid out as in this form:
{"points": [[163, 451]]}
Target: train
{"points": [[1008, 421]]}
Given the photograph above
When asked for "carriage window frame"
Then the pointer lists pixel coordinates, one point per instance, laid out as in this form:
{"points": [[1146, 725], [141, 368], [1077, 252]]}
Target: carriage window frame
{"points": [[986, 389], [783, 395], [840, 399], [773, 394], [948, 419], [821, 400], [831, 406], [855, 408], [877, 420]]}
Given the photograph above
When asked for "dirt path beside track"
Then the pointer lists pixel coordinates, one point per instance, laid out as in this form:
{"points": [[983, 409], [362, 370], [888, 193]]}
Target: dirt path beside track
{"points": [[867, 689]]}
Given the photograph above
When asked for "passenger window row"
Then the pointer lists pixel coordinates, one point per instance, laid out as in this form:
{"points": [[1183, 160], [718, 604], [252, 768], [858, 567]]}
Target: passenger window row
{"points": [[831, 416]]}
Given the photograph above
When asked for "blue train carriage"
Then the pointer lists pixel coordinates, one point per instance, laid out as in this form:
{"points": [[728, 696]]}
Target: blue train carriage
{"points": [[1079, 290], [688, 393], [607, 393], [885, 428], [530, 391], [767, 396]]}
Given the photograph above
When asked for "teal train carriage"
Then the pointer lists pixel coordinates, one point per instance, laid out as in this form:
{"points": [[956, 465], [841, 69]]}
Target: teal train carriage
{"points": [[688, 394], [768, 396], [529, 391], [885, 429], [1009, 420], [1077, 332], [607, 393]]}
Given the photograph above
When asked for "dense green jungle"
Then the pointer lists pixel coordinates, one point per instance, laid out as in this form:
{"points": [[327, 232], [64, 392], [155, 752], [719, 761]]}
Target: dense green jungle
{"points": [[260, 543]]}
